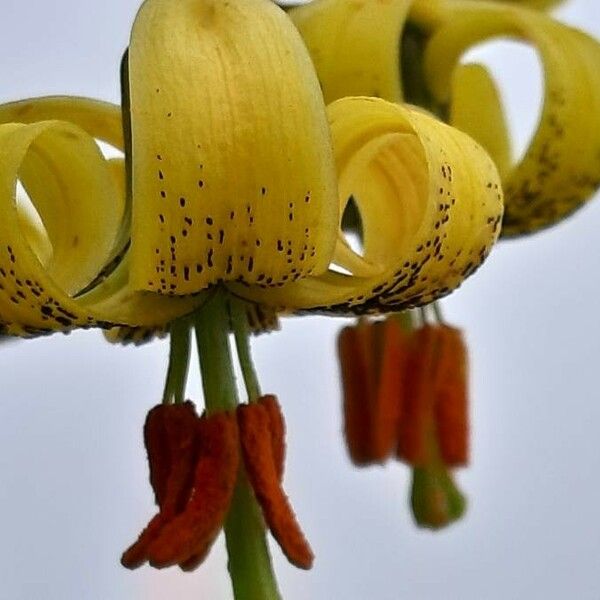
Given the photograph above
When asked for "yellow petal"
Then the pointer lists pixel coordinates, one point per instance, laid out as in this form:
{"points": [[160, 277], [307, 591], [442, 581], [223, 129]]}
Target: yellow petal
{"points": [[539, 4], [101, 120], [477, 110], [561, 169], [430, 203], [233, 172], [79, 193], [355, 45]]}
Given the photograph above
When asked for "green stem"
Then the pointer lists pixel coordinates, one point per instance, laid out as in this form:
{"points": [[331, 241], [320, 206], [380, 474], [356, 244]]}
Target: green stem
{"points": [[250, 566], [241, 331], [249, 561], [179, 361], [437, 311], [212, 336]]}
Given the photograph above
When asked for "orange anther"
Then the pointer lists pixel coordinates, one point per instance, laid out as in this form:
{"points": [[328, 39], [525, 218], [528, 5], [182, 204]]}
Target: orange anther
{"points": [[415, 430], [192, 532], [356, 378], [388, 404], [181, 430], [257, 450], [155, 441], [373, 361], [451, 393], [169, 434], [277, 428]]}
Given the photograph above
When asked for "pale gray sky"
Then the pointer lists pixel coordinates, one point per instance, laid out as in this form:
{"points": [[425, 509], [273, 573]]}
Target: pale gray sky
{"points": [[74, 486]]}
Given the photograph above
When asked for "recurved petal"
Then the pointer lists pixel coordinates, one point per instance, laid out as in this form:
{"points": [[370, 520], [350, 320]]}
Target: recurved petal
{"points": [[101, 120], [430, 202], [76, 194], [477, 110], [65, 166], [539, 4], [355, 45], [561, 168], [233, 172]]}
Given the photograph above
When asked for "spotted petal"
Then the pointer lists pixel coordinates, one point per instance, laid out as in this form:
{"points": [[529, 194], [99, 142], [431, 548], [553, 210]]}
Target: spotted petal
{"points": [[430, 204], [233, 172], [561, 169], [80, 200]]}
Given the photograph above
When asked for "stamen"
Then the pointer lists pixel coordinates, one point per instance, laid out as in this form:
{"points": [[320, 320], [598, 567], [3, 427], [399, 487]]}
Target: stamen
{"points": [[277, 430], [170, 433], [415, 430], [137, 554], [388, 403], [373, 358], [181, 429], [257, 449], [192, 532], [356, 374], [159, 459], [451, 393], [192, 563]]}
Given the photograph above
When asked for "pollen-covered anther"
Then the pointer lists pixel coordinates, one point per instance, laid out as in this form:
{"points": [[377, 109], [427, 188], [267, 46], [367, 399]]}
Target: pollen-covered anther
{"points": [[193, 469], [451, 398], [417, 424], [192, 532], [171, 444], [434, 425], [262, 450], [373, 359], [277, 430]]}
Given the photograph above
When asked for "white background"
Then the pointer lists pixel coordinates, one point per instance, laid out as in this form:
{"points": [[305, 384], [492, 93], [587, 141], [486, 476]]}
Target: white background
{"points": [[73, 476]]}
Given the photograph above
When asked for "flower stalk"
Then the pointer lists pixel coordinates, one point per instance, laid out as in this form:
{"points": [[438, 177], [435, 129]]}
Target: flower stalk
{"points": [[179, 362], [241, 332], [249, 565]]}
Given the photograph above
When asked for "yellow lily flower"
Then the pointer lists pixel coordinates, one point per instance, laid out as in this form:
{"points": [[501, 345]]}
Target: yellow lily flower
{"points": [[413, 49], [199, 218], [227, 206], [409, 50]]}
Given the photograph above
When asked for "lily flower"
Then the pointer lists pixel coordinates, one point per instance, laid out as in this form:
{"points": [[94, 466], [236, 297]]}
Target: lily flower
{"points": [[225, 211], [410, 50]]}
